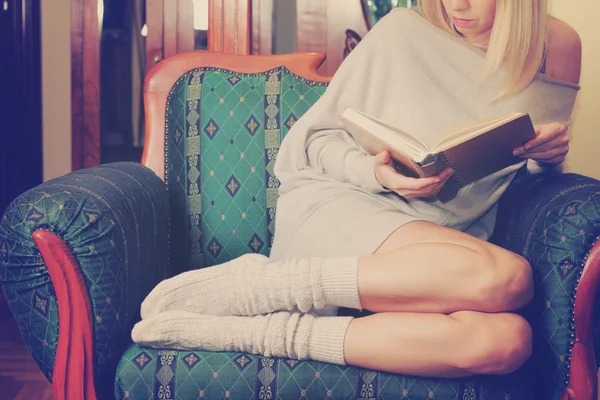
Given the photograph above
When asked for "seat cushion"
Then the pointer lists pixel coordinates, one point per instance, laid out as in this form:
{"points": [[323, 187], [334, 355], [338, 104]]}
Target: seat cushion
{"points": [[148, 374]]}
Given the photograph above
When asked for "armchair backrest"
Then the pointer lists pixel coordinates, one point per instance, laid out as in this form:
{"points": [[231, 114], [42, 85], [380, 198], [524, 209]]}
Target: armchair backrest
{"points": [[215, 125]]}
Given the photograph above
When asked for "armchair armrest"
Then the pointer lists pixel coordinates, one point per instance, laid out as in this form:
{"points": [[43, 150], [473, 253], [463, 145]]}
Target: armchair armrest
{"points": [[553, 220], [78, 254]]}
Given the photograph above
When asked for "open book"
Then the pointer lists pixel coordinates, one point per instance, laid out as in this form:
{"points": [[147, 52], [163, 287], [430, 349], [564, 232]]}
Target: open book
{"points": [[473, 151]]}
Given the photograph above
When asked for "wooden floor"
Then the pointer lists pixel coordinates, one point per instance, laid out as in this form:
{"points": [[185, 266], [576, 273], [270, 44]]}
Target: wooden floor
{"points": [[20, 378]]}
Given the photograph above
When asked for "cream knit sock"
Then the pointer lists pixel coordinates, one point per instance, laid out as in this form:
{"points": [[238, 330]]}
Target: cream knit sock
{"points": [[282, 334], [252, 285]]}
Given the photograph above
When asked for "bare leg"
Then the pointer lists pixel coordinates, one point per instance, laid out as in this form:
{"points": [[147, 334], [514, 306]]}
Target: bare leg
{"points": [[461, 344], [426, 268]]}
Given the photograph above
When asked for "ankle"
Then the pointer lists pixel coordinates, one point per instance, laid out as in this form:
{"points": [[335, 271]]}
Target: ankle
{"points": [[339, 282]]}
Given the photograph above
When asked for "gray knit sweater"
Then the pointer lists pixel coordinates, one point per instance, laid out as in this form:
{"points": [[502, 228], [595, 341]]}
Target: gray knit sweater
{"points": [[424, 80]]}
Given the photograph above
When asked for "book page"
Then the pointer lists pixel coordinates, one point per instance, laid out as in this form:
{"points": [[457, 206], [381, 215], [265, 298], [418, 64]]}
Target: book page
{"points": [[361, 126], [467, 132]]}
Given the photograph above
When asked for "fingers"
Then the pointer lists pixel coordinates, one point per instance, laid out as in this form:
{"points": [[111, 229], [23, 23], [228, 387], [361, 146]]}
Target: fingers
{"points": [[543, 138], [445, 175], [430, 189], [545, 134], [552, 161], [555, 149], [555, 143], [382, 158], [558, 142], [442, 184], [408, 187], [560, 152]]}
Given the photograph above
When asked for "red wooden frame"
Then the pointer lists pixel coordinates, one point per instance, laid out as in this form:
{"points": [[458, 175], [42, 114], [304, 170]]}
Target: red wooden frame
{"points": [[583, 378], [73, 374], [161, 79]]}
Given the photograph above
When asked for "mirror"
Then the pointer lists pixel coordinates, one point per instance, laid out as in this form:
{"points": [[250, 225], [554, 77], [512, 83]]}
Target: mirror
{"points": [[286, 20], [200, 24], [123, 32], [135, 35]]}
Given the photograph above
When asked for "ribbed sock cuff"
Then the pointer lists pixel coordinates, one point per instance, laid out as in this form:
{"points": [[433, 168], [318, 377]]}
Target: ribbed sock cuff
{"points": [[326, 340], [339, 282]]}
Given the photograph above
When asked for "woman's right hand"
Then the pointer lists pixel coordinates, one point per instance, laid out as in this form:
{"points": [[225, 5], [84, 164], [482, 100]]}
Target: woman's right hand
{"points": [[409, 188]]}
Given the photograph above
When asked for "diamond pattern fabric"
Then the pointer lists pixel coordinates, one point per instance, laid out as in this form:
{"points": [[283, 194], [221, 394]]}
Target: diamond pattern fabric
{"points": [[223, 135], [114, 220], [553, 221], [149, 374]]}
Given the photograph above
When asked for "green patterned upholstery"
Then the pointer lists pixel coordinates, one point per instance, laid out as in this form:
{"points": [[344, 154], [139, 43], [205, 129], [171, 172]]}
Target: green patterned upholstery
{"points": [[221, 153], [114, 220], [162, 374]]}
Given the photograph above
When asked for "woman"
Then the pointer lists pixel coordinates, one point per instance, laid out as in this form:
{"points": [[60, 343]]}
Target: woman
{"points": [[353, 232]]}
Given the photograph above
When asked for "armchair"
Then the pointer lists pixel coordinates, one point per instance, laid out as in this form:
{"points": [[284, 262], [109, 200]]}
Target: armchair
{"points": [[79, 253]]}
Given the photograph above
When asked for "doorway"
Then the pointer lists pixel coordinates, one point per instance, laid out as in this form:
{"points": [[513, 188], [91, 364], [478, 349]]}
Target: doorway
{"points": [[20, 99]]}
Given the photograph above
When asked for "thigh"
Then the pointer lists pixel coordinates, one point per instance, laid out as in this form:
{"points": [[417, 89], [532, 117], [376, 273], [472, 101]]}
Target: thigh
{"points": [[428, 344], [427, 232], [456, 271]]}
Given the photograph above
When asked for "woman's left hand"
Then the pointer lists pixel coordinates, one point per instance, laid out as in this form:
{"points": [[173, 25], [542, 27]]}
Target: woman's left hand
{"points": [[550, 146]]}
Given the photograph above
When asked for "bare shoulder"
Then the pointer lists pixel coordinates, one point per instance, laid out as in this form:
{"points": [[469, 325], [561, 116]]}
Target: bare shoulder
{"points": [[563, 55]]}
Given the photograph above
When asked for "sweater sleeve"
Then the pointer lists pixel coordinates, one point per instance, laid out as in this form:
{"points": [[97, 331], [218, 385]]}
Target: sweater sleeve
{"points": [[336, 154], [318, 143]]}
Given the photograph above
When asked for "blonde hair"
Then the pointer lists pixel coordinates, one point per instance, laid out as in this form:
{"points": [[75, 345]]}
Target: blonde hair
{"points": [[518, 39]]}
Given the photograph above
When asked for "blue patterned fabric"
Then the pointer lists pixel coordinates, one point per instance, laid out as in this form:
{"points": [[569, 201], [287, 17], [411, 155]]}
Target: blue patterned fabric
{"points": [[114, 218], [553, 221], [151, 374]]}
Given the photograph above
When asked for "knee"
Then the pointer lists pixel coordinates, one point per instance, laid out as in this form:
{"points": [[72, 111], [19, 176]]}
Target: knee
{"points": [[495, 344], [506, 282]]}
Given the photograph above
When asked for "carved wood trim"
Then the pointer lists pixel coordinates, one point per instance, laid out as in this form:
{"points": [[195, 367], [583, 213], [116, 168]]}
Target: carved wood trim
{"points": [[85, 84]]}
